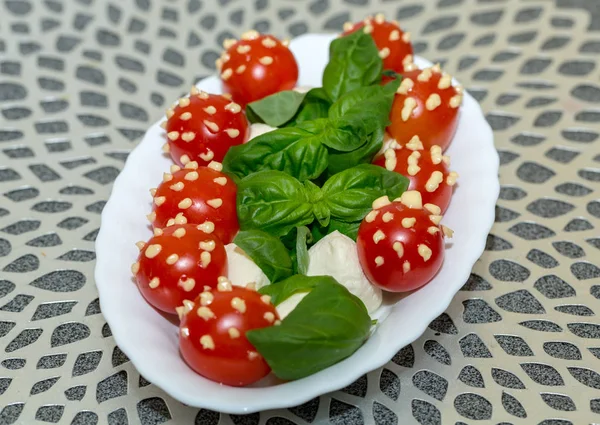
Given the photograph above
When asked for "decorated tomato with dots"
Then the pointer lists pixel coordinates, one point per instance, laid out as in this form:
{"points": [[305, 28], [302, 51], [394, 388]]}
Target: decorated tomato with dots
{"points": [[212, 333], [256, 66], [176, 264], [401, 244], [197, 195], [426, 169], [202, 128], [426, 105], [394, 44]]}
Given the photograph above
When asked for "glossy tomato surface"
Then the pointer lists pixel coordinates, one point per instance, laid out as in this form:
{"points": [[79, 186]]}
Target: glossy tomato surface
{"points": [[197, 195], [176, 264], [427, 171], [400, 248], [202, 128], [256, 66], [426, 106], [394, 44], [212, 336]]}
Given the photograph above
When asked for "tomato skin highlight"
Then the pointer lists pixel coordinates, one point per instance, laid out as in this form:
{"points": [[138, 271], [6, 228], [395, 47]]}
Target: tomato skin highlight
{"points": [[433, 191], [203, 127], [202, 186], [173, 256], [385, 266], [394, 44], [256, 66], [227, 356], [421, 108]]}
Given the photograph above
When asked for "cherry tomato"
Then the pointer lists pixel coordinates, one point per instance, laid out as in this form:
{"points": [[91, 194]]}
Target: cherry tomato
{"points": [[212, 334], [176, 264], [401, 244], [394, 44], [197, 195], [256, 66], [203, 127], [426, 105], [427, 171]]}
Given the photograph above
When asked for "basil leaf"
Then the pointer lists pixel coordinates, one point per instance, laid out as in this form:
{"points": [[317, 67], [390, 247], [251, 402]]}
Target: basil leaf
{"points": [[340, 161], [274, 202], [364, 103], [353, 62], [349, 229], [315, 105], [267, 251], [350, 193], [328, 325], [302, 249], [276, 109], [295, 151], [292, 285]]}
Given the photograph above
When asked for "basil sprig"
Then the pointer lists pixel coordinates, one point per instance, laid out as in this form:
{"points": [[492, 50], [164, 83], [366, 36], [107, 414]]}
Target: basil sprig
{"points": [[276, 202], [328, 325], [351, 134], [268, 252]]}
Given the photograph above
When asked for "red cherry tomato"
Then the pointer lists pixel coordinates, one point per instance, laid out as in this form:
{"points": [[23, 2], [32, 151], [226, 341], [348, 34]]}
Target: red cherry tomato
{"points": [[394, 44], [176, 264], [256, 66], [400, 244], [427, 171], [426, 105], [203, 127], [197, 195], [212, 336]]}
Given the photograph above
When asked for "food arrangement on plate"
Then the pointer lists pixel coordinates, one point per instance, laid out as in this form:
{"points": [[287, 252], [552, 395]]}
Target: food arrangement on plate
{"points": [[290, 212]]}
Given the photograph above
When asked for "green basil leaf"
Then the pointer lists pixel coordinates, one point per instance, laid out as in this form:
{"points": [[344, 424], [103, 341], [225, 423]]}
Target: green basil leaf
{"points": [[315, 105], [294, 151], [302, 249], [293, 285], [353, 62], [349, 229], [328, 325], [340, 161], [365, 104], [276, 109], [350, 193], [268, 252], [274, 202]]}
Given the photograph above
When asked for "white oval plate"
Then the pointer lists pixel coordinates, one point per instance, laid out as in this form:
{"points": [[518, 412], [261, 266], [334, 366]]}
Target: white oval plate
{"points": [[150, 340]]}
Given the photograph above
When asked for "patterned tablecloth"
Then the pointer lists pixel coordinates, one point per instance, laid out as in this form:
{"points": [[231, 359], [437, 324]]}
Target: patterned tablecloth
{"points": [[80, 80]]}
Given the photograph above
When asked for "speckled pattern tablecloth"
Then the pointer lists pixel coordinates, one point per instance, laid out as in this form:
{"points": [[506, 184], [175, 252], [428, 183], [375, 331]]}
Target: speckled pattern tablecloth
{"points": [[80, 81]]}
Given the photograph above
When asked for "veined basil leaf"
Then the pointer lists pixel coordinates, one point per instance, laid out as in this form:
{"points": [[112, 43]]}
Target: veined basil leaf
{"points": [[274, 202], [302, 249], [340, 161], [315, 105], [294, 284], [363, 103], [350, 193], [328, 325], [295, 151], [349, 229], [268, 252], [353, 62], [276, 109]]}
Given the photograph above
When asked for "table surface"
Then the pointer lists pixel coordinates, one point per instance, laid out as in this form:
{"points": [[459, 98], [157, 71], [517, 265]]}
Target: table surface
{"points": [[80, 81]]}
